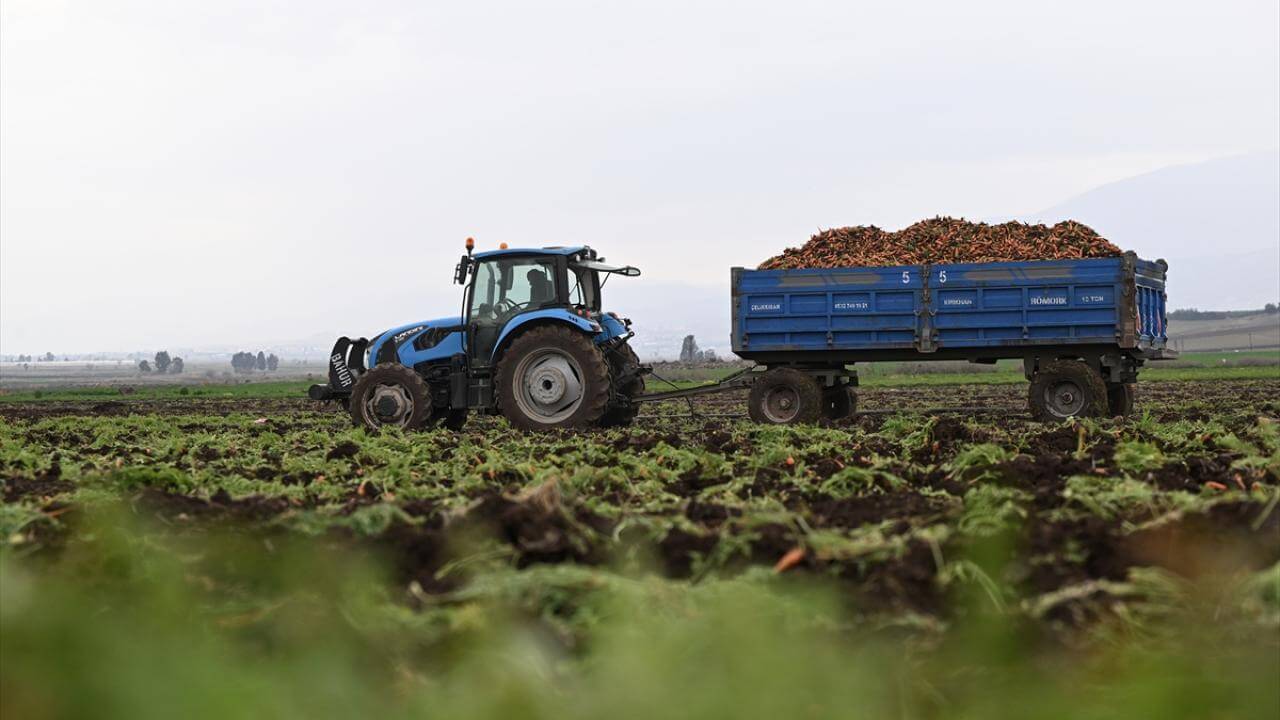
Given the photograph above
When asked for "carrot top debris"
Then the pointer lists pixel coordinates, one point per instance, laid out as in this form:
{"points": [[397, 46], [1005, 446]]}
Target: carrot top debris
{"points": [[944, 240]]}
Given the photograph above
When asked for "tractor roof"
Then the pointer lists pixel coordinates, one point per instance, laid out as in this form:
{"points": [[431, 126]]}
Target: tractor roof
{"points": [[570, 250]]}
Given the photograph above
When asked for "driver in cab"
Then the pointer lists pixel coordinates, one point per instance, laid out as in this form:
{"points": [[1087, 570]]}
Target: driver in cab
{"points": [[541, 289]]}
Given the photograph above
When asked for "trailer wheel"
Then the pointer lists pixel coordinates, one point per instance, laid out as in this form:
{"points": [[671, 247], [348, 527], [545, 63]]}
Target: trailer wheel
{"points": [[620, 361], [785, 397], [1120, 398], [839, 402], [390, 395], [552, 377], [1065, 389]]}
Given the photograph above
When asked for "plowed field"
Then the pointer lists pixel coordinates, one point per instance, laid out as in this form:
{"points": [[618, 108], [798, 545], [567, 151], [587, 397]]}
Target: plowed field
{"points": [[940, 520]]}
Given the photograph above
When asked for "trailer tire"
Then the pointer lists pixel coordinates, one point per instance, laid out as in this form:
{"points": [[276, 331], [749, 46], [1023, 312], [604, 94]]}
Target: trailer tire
{"points": [[620, 361], [1120, 398], [784, 396], [839, 402], [1065, 389], [390, 395], [552, 377]]}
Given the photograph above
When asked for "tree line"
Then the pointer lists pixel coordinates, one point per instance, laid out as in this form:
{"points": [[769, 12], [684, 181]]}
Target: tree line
{"points": [[249, 362], [689, 352], [1194, 314], [163, 364], [47, 357]]}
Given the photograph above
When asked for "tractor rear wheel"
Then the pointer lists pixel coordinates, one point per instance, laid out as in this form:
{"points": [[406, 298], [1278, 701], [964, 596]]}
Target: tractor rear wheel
{"points": [[623, 360], [552, 377], [784, 396], [839, 402], [390, 395], [1066, 389]]}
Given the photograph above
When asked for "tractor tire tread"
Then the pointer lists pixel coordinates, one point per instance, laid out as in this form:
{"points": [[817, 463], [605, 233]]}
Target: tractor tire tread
{"points": [[623, 415], [395, 372], [594, 368]]}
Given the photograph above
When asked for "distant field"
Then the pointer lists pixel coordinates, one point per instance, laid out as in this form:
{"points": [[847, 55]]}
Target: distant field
{"points": [[63, 374], [1257, 365], [1260, 330], [260, 389]]}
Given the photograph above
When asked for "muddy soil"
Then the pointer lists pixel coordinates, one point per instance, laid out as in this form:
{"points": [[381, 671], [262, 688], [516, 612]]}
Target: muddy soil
{"points": [[862, 502]]}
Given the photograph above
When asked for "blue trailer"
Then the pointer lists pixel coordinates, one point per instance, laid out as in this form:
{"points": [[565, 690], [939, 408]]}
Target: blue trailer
{"points": [[1082, 329]]}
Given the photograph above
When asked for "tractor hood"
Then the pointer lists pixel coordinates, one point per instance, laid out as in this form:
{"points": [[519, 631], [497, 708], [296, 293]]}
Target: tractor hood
{"points": [[385, 347], [404, 332]]}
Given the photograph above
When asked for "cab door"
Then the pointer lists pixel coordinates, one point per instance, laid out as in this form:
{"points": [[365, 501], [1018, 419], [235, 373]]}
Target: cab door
{"points": [[503, 288]]}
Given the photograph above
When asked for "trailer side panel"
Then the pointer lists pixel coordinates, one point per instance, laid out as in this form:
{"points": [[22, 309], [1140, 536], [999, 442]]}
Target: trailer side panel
{"points": [[987, 309]]}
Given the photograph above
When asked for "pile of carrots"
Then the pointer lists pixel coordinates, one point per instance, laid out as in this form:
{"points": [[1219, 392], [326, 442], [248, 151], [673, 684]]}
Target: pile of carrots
{"points": [[944, 240]]}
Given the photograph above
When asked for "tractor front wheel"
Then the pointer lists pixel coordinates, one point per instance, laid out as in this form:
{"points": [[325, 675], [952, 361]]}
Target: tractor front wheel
{"points": [[390, 395], [552, 377]]}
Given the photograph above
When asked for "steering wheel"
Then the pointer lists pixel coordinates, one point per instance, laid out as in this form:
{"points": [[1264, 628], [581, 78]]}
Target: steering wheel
{"points": [[507, 306]]}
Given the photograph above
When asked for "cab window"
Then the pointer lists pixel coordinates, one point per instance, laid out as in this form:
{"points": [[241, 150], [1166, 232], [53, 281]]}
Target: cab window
{"points": [[507, 286], [585, 288]]}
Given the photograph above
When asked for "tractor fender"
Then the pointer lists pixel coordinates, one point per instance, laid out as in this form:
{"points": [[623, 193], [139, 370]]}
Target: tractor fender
{"points": [[542, 317]]}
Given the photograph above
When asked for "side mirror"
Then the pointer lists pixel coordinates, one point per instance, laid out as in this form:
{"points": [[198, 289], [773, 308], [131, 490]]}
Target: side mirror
{"points": [[460, 272]]}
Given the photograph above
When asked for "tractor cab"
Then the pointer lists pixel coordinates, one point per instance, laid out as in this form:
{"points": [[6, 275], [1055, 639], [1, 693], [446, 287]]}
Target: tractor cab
{"points": [[508, 287]]}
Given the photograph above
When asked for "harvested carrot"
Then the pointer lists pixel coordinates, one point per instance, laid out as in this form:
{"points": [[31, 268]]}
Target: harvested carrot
{"points": [[790, 560], [1215, 485], [944, 240]]}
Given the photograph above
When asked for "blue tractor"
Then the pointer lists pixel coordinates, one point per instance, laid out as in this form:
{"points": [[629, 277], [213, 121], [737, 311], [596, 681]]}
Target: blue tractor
{"points": [[532, 343]]}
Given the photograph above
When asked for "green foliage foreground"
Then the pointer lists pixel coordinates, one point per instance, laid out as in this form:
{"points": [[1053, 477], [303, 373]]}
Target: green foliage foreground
{"points": [[133, 625], [266, 559]]}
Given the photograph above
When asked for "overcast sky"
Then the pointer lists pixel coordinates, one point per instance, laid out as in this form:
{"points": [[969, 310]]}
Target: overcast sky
{"points": [[199, 173]]}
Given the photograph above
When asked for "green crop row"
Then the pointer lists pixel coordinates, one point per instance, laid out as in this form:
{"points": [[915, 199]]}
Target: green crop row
{"points": [[264, 562]]}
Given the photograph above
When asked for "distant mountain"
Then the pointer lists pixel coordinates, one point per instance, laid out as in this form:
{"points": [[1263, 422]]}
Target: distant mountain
{"points": [[1216, 222]]}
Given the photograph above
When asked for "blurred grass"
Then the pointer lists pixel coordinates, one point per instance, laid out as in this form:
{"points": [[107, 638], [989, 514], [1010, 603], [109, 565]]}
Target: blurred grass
{"points": [[133, 623]]}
